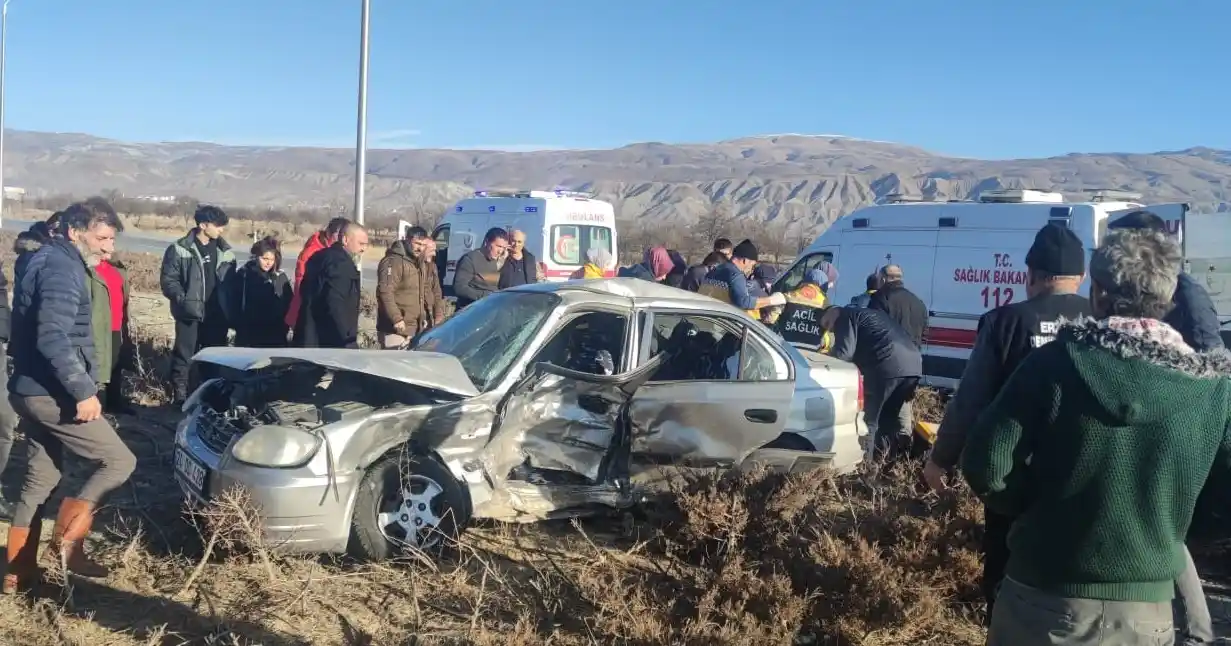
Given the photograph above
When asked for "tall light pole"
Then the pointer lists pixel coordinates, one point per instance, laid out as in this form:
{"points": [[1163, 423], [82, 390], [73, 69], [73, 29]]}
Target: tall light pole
{"points": [[361, 128], [4, 24]]}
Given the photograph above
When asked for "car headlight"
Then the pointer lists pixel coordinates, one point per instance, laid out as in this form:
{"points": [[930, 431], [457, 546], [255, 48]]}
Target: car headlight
{"points": [[276, 446], [181, 430]]}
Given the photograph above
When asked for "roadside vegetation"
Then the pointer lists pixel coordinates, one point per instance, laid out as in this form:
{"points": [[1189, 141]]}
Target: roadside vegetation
{"points": [[737, 558]]}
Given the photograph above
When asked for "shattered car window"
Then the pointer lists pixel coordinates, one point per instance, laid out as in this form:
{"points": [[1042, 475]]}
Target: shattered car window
{"points": [[592, 343], [489, 334], [701, 348]]}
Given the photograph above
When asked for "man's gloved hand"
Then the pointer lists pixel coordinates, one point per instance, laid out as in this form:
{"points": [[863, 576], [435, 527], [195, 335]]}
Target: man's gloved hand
{"points": [[777, 299]]}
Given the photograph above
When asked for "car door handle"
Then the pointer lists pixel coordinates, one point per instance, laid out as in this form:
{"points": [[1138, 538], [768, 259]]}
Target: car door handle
{"points": [[761, 415]]}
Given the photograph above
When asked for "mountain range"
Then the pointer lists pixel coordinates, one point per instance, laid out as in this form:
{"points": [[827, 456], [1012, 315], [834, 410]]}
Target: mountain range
{"points": [[813, 178]]}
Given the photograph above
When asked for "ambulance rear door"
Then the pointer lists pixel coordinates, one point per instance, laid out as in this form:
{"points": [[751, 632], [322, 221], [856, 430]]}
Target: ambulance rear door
{"points": [[981, 265], [1207, 258]]}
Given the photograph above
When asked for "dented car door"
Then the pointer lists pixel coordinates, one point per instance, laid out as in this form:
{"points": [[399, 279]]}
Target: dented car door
{"points": [[563, 420], [708, 404]]}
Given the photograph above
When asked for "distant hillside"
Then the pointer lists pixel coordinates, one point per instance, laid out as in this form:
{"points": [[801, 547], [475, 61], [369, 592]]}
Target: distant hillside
{"points": [[813, 178]]}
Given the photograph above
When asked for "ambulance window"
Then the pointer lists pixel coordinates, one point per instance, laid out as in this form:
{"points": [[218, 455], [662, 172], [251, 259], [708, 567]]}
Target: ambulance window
{"points": [[442, 239], [570, 242], [793, 278]]}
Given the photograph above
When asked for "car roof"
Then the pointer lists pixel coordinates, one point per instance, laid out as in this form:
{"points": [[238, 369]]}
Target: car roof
{"points": [[632, 291]]}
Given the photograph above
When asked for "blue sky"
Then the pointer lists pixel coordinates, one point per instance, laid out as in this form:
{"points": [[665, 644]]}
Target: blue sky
{"points": [[982, 79]]}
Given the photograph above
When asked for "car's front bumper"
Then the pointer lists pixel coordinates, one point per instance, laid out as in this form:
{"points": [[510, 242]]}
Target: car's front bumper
{"points": [[300, 511]]}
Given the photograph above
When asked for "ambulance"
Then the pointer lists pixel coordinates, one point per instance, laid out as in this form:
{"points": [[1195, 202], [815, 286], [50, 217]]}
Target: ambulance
{"points": [[560, 227], [963, 258]]}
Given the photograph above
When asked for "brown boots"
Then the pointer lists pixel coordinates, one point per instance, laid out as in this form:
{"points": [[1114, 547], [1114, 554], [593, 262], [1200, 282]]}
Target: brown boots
{"points": [[67, 546], [22, 556]]}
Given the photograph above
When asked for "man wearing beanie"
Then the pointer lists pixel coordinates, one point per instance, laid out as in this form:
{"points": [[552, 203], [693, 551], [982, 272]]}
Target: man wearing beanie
{"points": [[728, 282], [1055, 267]]}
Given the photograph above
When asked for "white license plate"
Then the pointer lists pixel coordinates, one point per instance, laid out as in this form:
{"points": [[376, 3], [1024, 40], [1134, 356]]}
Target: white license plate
{"points": [[191, 471]]}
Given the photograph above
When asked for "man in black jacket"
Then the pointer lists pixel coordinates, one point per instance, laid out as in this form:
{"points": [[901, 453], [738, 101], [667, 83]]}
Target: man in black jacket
{"points": [[55, 388], [478, 271], [193, 268], [900, 303], [1055, 267], [1194, 315], [865, 299], [329, 308], [891, 365], [520, 266]]}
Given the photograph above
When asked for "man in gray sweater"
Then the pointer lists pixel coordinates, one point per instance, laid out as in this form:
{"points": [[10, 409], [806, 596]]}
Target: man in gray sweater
{"points": [[478, 272]]}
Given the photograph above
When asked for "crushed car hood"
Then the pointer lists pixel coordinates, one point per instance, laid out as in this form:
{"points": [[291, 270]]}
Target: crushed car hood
{"points": [[428, 369]]}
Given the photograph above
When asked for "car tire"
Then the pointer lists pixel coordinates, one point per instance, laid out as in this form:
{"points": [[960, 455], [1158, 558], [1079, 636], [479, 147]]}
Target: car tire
{"points": [[391, 491]]}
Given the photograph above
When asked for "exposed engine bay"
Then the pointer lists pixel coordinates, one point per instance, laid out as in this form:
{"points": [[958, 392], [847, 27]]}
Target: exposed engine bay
{"points": [[303, 396]]}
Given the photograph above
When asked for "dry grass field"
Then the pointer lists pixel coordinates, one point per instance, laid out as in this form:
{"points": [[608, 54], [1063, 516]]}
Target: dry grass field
{"points": [[748, 559]]}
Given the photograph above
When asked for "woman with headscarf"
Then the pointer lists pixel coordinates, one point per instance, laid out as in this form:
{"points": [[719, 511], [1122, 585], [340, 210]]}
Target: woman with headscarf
{"points": [[679, 267], [655, 268], [598, 261]]}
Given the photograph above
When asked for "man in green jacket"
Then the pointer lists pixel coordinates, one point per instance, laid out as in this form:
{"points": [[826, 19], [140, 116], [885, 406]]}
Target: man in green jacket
{"points": [[1098, 448]]}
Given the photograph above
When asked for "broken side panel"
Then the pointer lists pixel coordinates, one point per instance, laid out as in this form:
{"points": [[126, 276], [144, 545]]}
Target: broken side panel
{"points": [[699, 423], [564, 421]]}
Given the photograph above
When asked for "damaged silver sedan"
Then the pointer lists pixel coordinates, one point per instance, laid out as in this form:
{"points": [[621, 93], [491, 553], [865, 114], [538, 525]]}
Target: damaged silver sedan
{"points": [[538, 402]]}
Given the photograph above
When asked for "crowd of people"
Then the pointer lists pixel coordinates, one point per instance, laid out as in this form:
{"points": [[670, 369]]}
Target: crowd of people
{"points": [[1076, 423]]}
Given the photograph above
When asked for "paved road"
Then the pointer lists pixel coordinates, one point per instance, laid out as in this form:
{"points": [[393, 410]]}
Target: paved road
{"points": [[156, 243]]}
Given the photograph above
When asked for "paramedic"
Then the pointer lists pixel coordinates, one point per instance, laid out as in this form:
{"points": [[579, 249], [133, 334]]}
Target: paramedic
{"points": [[1193, 314], [728, 282], [810, 293], [1055, 267], [1095, 447], [891, 365]]}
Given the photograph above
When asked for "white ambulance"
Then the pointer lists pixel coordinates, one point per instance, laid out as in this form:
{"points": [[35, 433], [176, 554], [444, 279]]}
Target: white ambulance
{"points": [[962, 258], [560, 226]]}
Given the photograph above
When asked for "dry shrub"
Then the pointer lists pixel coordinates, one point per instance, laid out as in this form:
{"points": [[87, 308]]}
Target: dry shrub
{"points": [[929, 404], [143, 269], [728, 558]]}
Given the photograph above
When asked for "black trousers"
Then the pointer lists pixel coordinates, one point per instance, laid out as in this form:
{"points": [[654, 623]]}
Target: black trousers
{"points": [[995, 553], [190, 338], [888, 424], [112, 396]]}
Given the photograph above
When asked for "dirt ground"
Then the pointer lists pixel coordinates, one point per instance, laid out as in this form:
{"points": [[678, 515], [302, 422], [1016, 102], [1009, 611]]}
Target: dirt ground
{"points": [[752, 558]]}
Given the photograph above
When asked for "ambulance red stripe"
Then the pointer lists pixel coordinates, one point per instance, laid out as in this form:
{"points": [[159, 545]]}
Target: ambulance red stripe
{"points": [[947, 337]]}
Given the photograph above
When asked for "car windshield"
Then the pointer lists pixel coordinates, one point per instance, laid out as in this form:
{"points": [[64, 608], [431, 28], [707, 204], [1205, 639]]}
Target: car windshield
{"points": [[489, 334]]}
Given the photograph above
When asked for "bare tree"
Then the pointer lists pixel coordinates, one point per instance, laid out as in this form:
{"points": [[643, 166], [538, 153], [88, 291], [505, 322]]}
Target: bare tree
{"points": [[718, 222]]}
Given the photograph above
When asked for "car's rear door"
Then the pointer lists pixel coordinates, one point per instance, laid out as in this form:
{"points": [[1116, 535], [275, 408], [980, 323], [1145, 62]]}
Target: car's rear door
{"points": [[722, 391]]}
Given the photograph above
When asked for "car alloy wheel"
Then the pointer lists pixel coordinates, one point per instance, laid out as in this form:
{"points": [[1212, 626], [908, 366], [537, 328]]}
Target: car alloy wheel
{"points": [[412, 516]]}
